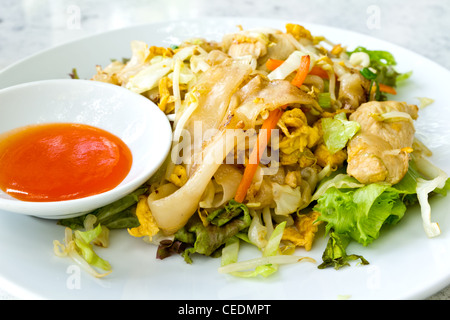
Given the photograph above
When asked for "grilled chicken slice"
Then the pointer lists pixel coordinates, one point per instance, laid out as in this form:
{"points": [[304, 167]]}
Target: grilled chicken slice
{"points": [[380, 151]]}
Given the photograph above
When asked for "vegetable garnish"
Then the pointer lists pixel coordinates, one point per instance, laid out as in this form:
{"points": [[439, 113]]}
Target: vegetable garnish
{"points": [[265, 265], [335, 254], [272, 64], [302, 72], [265, 133], [257, 152], [387, 89], [79, 247], [318, 71], [381, 72], [338, 131]]}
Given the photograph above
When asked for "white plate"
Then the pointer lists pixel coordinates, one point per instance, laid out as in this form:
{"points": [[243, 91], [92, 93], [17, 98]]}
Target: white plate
{"points": [[404, 263]]}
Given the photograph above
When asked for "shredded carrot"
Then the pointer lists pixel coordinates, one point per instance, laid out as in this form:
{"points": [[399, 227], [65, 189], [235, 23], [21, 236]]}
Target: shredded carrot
{"points": [[265, 133], [318, 71], [257, 152], [272, 64], [387, 89], [302, 72]]}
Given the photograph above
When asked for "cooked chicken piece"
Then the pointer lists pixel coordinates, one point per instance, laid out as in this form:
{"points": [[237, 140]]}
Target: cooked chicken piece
{"points": [[246, 43], [380, 151], [353, 87]]}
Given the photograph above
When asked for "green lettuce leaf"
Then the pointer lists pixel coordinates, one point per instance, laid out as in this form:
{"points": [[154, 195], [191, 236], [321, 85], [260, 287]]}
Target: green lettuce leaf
{"points": [[360, 213], [225, 224], [338, 179], [335, 254], [83, 241], [383, 62], [338, 131], [355, 212], [116, 215], [223, 215]]}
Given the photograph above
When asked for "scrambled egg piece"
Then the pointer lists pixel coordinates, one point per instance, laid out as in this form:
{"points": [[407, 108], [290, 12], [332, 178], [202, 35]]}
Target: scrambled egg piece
{"points": [[178, 176], [166, 99], [298, 138], [148, 226], [298, 31], [160, 51], [303, 232], [293, 179], [324, 156]]}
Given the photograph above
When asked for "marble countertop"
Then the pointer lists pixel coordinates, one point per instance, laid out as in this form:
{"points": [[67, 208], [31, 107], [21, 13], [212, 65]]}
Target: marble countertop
{"points": [[29, 26]]}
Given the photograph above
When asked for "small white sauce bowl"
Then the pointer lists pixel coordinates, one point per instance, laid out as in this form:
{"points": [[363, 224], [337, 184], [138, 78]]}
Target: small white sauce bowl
{"points": [[130, 116]]}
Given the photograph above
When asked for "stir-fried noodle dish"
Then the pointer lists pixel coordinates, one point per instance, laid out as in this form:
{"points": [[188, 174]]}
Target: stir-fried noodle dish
{"points": [[276, 135]]}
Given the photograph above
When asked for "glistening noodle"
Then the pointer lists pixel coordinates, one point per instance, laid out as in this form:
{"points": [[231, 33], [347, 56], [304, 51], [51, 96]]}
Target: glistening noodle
{"points": [[235, 148]]}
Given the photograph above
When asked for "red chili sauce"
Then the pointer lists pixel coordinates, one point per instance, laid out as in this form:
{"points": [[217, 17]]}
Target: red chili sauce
{"points": [[61, 161]]}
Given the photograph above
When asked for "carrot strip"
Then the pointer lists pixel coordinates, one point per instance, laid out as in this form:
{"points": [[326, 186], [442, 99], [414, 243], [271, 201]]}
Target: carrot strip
{"points": [[302, 72], [257, 152], [264, 135], [387, 89], [272, 64], [318, 71]]}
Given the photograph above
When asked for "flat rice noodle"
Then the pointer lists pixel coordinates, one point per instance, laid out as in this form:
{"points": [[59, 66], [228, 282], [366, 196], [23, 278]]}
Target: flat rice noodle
{"points": [[260, 95], [173, 211], [214, 92]]}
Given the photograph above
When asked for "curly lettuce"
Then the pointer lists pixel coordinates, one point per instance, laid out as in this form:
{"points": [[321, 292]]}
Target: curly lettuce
{"points": [[360, 213], [223, 224], [355, 212]]}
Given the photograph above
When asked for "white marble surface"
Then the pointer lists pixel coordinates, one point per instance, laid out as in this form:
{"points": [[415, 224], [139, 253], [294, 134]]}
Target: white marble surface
{"points": [[29, 26]]}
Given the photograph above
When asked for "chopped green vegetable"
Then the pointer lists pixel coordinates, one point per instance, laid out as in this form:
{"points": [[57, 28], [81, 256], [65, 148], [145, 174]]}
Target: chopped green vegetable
{"points": [[225, 224], [230, 251], [79, 246], [335, 254], [360, 213], [265, 265], [222, 216], [324, 100], [83, 241], [74, 74], [338, 131], [368, 74], [381, 70], [117, 215]]}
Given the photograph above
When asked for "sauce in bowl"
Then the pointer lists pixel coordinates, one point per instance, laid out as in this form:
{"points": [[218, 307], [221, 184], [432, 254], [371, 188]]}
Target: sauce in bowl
{"points": [[61, 161]]}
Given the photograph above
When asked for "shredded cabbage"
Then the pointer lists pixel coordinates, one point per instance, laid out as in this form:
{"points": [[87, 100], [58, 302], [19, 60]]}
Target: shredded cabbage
{"points": [[338, 131], [392, 116], [148, 78], [78, 246], [287, 199], [291, 64], [265, 265], [436, 179]]}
